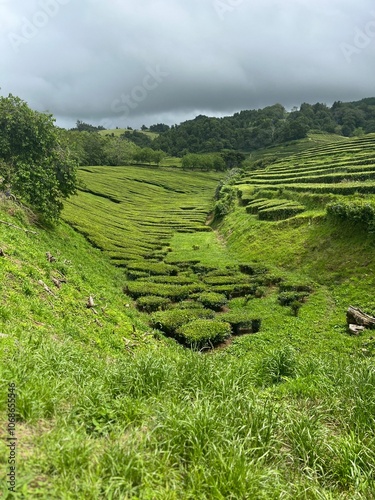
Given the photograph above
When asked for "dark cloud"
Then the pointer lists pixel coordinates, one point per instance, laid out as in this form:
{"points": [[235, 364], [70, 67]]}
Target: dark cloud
{"points": [[134, 62]]}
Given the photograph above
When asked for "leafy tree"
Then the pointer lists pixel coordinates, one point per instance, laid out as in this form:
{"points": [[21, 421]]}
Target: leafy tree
{"points": [[139, 138], [86, 127], [118, 151], [159, 128], [34, 164], [232, 159]]}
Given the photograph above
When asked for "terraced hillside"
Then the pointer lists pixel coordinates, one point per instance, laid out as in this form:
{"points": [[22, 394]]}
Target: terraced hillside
{"points": [[134, 216], [311, 179], [132, 212]]}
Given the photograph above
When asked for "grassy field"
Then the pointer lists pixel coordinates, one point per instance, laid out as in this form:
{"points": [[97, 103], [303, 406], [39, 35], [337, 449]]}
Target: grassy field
{"points": [[121, 131], [110, 405]]}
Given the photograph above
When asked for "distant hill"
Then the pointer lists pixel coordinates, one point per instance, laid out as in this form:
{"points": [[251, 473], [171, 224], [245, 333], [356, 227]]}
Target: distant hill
{"points": [[256, 129]]}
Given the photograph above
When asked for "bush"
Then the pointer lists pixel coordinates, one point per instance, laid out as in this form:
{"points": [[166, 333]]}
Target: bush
{"points": [[359, 211], [252, 269], [229, 279], [174, 292], [169, 321], [280, 213], [241, 322], [152, 303], [172, 280], [213, 300], [295, 306], [153, 268], [291, 287], [287, 298], [203, 332]]}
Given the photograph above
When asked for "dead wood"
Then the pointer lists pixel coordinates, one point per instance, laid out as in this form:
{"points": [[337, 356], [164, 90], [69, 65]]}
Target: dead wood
{"points": [[46, 288], [355, 316]]}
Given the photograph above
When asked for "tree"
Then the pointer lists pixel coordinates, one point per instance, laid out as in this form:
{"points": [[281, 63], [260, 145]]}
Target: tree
{"points": [[232, 159], [86, 127], [159, 128], [34, 164]]}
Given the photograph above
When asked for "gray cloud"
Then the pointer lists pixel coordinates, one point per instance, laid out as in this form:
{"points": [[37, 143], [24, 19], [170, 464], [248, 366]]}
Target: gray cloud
{"points": [[145, 61]]}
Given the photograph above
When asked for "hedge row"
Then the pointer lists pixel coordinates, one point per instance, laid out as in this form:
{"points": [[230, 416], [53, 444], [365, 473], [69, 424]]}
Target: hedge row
{"points": [[175, 293], [280, 213], [152, 303], [153, 268], [202, 333], [358, 211], [169, 321]]}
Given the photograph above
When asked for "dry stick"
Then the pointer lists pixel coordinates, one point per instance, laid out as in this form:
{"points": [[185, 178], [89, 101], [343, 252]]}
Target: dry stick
{"points": [[17, 227], [46, 288]]}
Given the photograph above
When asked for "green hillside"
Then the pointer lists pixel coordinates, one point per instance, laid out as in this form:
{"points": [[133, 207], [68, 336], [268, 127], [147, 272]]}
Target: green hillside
{"points": [[117, 132], [215, 362]]}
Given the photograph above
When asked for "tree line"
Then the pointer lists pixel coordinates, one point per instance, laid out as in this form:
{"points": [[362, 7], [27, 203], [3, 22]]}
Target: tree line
{"points": [[255, 129]]}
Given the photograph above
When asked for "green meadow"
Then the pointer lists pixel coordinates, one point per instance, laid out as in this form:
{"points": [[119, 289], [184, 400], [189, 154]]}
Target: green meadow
{"points": [[214, 362]]}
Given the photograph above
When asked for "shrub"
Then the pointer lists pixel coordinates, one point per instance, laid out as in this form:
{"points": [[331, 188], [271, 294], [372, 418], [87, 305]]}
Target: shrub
{"points": [[172, 280], [227, 279], [135, 275], [295, 306], [279, 213], [153, 268], [213, 300], [169, 321], [184, 264], [252, 269], [174, 292], [358, 211], [203, 332], [287, 298], [291, 287], [203, 269], [152, 303], [241, 322]]}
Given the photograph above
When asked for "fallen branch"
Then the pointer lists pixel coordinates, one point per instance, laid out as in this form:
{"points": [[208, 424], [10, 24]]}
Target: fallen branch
{"points": [[17, 227], [355, 316], [46, 288]]}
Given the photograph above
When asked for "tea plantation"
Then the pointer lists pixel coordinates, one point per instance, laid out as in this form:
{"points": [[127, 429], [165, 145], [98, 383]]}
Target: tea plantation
{"points": [[215, 360]]}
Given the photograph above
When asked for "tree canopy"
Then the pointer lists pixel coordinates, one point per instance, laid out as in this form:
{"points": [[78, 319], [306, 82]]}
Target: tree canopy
{"points": [[34, 165]]}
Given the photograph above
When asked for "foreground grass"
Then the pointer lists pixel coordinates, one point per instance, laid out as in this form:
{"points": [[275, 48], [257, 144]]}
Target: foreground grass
{"points": [[169, 423]]}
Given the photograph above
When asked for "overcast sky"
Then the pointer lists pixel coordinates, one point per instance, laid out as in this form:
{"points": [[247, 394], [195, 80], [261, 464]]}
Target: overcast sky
{"points": [[134, 62]]}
